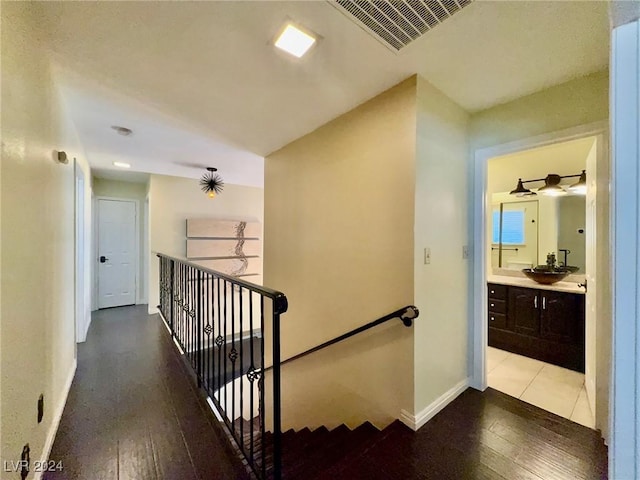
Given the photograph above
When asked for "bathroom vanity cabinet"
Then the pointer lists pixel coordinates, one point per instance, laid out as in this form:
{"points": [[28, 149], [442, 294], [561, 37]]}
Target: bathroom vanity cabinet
{"points": [[544, 324]]}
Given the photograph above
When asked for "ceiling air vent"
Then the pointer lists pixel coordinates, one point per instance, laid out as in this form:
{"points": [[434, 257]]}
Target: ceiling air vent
{"points": [[397, 23]]}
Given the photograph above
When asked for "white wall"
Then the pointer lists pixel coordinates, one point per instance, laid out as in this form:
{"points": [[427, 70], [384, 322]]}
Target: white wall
{"points": [[172, 200], [37, 346], [441, 224], [339, 243], [103, 187]]}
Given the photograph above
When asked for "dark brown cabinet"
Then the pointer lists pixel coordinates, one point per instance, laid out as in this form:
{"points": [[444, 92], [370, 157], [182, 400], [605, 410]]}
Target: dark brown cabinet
{"points": [[544, 324]]}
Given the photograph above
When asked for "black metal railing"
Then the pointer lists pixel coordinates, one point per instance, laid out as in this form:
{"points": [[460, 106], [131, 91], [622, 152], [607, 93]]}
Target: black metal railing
{"points": [[407, 314], [220, 323]]}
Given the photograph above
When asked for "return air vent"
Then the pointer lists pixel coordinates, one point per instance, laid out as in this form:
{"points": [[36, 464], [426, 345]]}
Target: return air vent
{"points": [[397, 23]]}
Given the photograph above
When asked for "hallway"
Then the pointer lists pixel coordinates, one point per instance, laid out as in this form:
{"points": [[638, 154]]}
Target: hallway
{"points": [[133, 413]]}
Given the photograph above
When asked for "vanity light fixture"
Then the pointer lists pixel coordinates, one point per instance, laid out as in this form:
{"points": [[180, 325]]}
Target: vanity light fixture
{"points": [[552, 185], [294, 41], [121, 165]]}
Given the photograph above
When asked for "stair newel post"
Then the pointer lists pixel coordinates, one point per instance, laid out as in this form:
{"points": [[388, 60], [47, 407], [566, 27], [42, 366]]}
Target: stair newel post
{"points": [[198, 322], [277, 417]]}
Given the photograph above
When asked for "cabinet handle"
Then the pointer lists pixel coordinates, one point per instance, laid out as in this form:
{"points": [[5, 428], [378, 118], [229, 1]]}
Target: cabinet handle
{"points": [[493, 305], [535, 302], [493, 319], [493, 291], [544, 302]]}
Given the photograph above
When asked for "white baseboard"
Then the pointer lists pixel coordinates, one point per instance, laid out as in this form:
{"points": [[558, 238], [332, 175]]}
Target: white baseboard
{"points": [[56, 419], [416, 421]]}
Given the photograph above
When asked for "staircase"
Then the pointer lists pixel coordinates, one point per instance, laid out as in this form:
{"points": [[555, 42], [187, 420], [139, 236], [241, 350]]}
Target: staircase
{"points": [[324, 454]]}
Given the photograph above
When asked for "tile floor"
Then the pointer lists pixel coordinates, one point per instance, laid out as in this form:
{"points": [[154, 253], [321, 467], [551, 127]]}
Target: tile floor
{"points": [[547, 386]]}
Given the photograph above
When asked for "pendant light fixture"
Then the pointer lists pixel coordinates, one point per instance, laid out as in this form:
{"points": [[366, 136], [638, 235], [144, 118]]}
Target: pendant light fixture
{"points": [[211, 183]]}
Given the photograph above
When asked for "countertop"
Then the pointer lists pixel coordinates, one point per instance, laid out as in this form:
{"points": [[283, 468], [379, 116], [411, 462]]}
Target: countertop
{"points": [[569, 287]]}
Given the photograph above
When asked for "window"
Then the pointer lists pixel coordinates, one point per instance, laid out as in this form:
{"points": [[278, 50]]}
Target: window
{"points": [[512, 227]]}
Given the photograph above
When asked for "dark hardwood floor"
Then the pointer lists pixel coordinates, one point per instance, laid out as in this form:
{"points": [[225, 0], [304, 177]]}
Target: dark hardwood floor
{"points": [[482, 435], [134, 412]]}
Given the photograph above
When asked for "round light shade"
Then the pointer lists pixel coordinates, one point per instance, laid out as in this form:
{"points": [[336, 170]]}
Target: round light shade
{"points": [[581, 185], [552, 186], [520, 191]]}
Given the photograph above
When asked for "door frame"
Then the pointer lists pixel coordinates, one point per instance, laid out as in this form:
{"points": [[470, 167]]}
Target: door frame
{"points": [[81, 245], [97, 244], [624, 459], [479, 202]]}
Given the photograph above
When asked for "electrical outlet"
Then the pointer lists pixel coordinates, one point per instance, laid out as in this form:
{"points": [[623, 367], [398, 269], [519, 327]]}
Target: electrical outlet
{"points": [[40, 407], [465, 252], [427, 256]]}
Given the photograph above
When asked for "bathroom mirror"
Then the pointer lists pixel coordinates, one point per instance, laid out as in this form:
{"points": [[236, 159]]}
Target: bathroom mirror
{"points": [[523, 232]]}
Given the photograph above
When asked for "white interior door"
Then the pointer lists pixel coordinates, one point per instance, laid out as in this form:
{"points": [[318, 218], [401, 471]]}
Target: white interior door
{"points": [[116, 253], [591, 276]]}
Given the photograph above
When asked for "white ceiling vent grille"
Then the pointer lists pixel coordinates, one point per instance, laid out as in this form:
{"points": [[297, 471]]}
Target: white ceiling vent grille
{"points": [[397, 23]]}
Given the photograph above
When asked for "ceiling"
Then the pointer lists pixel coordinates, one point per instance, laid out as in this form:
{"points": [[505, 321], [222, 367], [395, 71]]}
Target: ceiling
{"points": [[200, 84]]}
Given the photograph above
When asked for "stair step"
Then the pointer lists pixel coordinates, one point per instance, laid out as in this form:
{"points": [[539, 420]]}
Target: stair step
{"points": [[368, 437], [325, 455], [321, 454]]}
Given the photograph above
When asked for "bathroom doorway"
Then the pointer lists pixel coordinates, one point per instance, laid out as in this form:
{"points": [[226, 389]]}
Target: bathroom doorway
{"points": [[544, 344]]}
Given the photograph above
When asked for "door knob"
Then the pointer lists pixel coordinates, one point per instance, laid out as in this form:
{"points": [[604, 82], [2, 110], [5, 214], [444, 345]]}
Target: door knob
{"points": [[103, 259]]}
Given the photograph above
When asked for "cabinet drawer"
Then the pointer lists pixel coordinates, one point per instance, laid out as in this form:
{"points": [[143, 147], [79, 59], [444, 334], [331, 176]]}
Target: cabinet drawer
{"points": [[498, 292], [497, 320], [497, 306]]}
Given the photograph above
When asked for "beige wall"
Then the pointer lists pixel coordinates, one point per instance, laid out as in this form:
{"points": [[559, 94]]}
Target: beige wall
{"points": [[172, 200], [37, 345], [578, 102], [339, 214], [441, 219], [103, 187]]}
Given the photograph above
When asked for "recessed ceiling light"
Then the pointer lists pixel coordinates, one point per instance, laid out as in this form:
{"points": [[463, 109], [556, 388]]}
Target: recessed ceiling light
{"points": [[121, 165], [122, 130], [294, 41]]}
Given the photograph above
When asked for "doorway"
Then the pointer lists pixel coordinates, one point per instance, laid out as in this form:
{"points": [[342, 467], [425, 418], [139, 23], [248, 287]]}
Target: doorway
{"points": [[81, 310], [118, 247], [588, 389]]}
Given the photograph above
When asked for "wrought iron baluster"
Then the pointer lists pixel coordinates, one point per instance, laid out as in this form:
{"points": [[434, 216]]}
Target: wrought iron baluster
{"points": [[241, 371], [233, 356], [251, 379], [199, 326]]}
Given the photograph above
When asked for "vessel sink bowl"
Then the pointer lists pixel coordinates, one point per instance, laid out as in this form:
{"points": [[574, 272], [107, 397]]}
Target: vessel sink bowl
{"points": [[546, 277]]}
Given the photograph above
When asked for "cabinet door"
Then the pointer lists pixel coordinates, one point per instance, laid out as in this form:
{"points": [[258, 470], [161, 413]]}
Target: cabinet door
{"points": [[562, 317], [523, 311]]}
